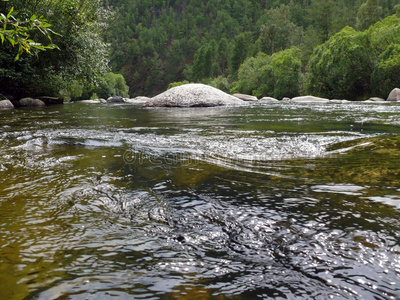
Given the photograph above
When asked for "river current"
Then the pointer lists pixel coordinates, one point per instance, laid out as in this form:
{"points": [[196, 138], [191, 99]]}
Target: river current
{"points": [[265, 201]]}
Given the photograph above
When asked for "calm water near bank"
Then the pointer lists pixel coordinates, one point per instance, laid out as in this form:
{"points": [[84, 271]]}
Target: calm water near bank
{"points": [[267, 201]]}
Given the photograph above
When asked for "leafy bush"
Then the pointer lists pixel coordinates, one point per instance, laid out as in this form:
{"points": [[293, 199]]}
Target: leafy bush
{"points": [[278, 75], [341, 67], [82, 54]]}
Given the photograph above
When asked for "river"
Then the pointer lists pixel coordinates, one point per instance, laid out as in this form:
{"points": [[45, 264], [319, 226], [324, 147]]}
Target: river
{"points": [[266, 201]]}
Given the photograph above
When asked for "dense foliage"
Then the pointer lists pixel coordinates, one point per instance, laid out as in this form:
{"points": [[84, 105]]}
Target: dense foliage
{"points": [[79, 55], [352, 64], [156, 42], [278, 75]]}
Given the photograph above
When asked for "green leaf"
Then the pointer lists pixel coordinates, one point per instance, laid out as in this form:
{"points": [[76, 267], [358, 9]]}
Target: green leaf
{"points": [[2, 38], [10, 12], [20, 50], [11, 40], [39, 47]]}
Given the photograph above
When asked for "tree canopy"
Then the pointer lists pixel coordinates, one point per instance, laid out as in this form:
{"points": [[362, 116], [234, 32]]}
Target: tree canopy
{"points": [[73, 29]]}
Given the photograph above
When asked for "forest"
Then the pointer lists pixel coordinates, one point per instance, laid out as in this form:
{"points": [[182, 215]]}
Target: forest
{"points": [[336, 49]]}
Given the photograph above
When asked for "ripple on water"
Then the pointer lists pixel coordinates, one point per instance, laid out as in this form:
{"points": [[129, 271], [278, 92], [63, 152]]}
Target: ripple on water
{"points": [[79, 222]]}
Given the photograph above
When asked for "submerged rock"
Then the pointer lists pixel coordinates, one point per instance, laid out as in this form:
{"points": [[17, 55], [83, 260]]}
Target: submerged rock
{"points": [[394, 95], [245, 97], [6, 104], [339, 101], [31, 102], [309, 99], [268, 99], [375, 99], [115, 99], [193, 95]]}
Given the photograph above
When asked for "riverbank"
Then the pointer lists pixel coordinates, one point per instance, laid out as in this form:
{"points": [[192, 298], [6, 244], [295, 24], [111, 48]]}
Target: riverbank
{"points": [[192, 95]]}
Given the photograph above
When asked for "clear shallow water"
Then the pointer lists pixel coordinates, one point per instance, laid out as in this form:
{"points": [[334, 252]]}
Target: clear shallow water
{"points": [[284, 201]]}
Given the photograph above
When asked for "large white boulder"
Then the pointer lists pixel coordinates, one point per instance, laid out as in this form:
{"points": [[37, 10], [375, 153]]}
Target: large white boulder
{"points": [[193, 95]]}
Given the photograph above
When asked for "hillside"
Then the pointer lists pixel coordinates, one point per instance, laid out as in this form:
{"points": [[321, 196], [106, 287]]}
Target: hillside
{"points": [[156, 42]]}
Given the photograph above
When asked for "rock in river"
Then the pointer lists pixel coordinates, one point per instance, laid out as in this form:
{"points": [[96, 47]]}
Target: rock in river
{"points": [[394, 95], [245, 97], [309, 99], [30, 102], [6, 104], [115, 99], [90, 101], [268, 99], [137, 100], [193, 95]]}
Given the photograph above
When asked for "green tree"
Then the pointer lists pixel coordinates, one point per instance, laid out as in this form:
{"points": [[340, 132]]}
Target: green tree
{"points": [[278, 75], [17, 31], [385, 76], [286, 68], [368, 14], [241, 48], [384, 38], [255, 76], [321, 16], [83, 55], [279, 33], [341, 67], [382, 34], [111, 84], [202, 64]]}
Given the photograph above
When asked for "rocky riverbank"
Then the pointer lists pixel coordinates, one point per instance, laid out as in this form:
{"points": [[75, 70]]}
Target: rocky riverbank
{"points": [[191, 95], [38, 102]]}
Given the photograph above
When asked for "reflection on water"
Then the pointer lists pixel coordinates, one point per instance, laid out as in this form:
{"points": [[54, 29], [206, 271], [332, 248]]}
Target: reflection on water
{"points": [[266, 201]]}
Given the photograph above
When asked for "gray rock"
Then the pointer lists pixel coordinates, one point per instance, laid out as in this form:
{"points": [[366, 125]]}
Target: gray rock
{"points": [[137, 100], [115, 99], [394, 95], [30, 102], [6, 104], [375, 99], [285, 99], [268, 99], [193, 95], [309, 99], [245, 97]]}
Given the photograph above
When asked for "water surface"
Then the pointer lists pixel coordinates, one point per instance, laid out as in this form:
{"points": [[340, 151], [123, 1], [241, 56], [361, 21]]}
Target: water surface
{"points": [[267, 201]]}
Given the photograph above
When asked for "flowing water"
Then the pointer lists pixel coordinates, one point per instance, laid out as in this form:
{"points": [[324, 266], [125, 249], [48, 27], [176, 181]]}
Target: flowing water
{"points": [[266, 201]]}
